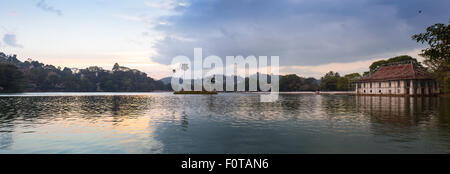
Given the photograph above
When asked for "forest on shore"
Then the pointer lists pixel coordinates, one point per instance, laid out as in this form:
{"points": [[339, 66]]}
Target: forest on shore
{"points": [[34, 76]]}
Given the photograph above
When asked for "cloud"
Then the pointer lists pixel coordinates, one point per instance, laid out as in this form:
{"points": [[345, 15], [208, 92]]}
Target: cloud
{"points": [[10, 40], [167, 4], [42, 4], [302, 33], [133, 18], [159, 12], [149, 20]]}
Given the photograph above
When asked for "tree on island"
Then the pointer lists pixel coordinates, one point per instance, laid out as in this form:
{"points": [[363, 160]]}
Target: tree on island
{"points": [[329, 81], [332, 81]]}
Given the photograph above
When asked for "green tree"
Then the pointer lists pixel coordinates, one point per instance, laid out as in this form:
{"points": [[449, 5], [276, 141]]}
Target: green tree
{"points": [[437, 55], [353, 76], [12, 80], [342, 84], [329, 82], [292, 82], [350, 78]]}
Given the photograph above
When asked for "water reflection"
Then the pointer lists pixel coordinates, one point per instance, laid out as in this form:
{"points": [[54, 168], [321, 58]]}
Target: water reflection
{"points": [[77, 124], [224, 123], [405, 111]]}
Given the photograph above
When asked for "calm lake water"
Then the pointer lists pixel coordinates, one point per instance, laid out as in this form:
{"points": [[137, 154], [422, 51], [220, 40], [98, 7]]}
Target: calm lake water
{"points": [[224, 123]]}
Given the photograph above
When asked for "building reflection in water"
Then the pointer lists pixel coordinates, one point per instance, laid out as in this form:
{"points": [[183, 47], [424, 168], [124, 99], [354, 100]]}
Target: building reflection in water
{"points": [[408, 111]]}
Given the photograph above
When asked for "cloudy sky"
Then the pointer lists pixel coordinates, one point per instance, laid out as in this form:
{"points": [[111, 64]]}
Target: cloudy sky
{"points": [[310, 36]]}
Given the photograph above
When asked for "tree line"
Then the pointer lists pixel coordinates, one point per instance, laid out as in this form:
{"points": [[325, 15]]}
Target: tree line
{"points": [[33, 76], [291, 82]]}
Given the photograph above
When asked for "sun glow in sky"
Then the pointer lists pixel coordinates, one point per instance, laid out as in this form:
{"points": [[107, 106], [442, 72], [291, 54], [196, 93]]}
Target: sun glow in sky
{"points": [[311, 37]]}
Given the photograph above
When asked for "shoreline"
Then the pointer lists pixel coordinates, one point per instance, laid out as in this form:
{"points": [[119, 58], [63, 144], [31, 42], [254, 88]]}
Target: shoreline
{"points": [[351, 93]]}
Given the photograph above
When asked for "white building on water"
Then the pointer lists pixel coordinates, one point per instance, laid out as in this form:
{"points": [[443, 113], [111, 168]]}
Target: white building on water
{"points": [[402, 79]]}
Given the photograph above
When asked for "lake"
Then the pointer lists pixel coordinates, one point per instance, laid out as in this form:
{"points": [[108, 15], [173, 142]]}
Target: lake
{"points": [[149, 123]]}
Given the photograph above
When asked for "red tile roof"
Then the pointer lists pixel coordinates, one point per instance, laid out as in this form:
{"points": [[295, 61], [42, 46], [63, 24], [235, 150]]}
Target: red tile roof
{"points": [[397, 72]]}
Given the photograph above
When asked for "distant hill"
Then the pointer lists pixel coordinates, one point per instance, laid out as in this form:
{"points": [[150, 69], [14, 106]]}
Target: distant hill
{"points": [[290, 82], [166, 80]]}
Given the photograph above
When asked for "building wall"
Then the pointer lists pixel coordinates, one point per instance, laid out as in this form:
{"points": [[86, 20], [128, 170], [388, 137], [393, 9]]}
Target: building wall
{"points": [[398, 87]]}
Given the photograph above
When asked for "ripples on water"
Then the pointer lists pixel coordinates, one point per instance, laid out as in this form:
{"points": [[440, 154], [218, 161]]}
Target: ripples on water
{"points": [[224, 123]]}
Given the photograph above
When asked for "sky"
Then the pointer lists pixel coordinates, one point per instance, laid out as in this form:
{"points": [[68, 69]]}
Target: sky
{"points": [[311, 37]]}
